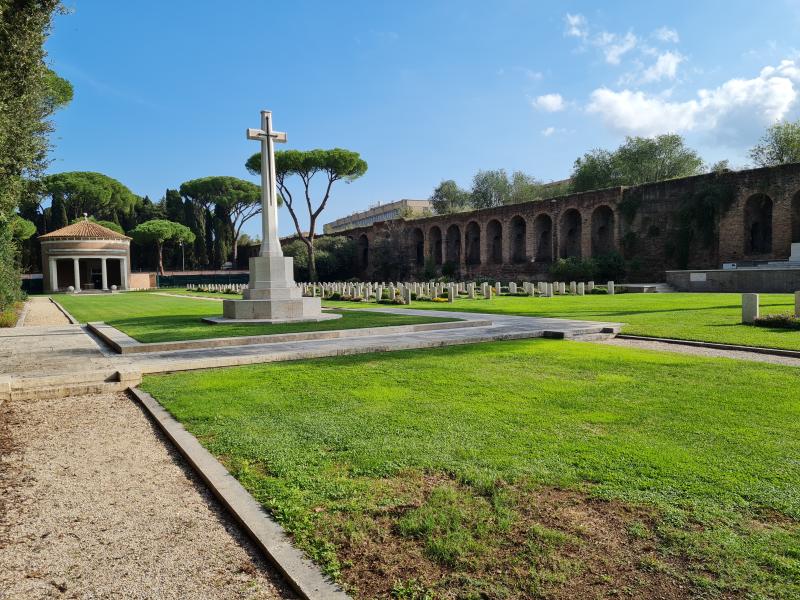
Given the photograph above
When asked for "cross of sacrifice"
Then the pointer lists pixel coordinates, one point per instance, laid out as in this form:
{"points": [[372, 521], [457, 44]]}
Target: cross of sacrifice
{"points": [[270, 243]]}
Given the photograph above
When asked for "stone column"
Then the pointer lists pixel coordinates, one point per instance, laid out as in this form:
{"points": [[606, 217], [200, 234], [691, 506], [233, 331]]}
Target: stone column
{"points": [[76, 271], [104, 273], [53, 275], [123, 273]]}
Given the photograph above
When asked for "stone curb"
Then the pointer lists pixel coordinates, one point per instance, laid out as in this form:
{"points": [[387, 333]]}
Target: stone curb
{"points": [[70, 318], [713, 345], [22, 314], [300, 573], [124, 344]]}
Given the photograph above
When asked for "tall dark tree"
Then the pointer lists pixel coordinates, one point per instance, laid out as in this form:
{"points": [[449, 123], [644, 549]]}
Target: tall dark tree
{"points": [[334, 165], [233, 200], [173, 206]]}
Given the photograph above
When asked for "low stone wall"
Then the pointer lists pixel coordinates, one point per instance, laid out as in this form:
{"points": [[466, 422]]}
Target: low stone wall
{"points": [[142, 281], [786, 280]]}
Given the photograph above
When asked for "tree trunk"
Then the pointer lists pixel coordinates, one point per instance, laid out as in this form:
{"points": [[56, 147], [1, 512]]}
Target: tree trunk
{"points": [[312, 264], [236, 252], [160, 259]]}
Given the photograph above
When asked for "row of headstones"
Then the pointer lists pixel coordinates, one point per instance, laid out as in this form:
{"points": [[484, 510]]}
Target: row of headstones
{"points": [[751, 307], [436, 290], [216, 287]]}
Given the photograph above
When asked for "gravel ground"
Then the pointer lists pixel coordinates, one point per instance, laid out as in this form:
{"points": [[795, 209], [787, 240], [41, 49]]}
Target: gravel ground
{"points": [[700, 351], [43, 312], [95, 504]]}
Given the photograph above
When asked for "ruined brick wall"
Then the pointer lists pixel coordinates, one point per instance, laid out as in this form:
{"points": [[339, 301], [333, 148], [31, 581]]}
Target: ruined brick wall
{"points": [[643, 223]]}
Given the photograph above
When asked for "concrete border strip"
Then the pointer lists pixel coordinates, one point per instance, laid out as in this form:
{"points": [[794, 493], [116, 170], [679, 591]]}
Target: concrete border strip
{"points": [[122, 343], [713, 345], [22, 314], [70, 318], [301, 573]]}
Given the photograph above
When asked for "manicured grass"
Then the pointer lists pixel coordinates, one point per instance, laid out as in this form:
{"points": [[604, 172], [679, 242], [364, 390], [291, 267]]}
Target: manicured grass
{"points": [[472, 470], [703, 317], [149, 317]]}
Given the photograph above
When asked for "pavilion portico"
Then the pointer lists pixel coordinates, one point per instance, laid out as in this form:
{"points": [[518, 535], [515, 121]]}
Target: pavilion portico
{"points": [[85, 256]]}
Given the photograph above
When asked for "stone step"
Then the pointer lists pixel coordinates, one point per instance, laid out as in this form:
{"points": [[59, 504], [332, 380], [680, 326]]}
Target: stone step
{"points": [[593, 337], [65, 391], [64, 385]]}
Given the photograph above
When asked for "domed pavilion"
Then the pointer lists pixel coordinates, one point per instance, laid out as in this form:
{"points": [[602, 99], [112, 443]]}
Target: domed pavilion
{"points": [[86, 256]]}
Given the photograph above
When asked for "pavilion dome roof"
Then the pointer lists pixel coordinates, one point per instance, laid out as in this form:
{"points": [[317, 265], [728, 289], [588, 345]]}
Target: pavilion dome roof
{"points": [[84, 229]]}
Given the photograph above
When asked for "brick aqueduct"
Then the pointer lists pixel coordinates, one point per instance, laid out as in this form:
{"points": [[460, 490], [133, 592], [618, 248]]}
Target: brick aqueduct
{"points": [[645, 223]]}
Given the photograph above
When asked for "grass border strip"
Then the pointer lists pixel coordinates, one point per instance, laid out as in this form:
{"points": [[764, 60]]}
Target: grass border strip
{"points": [[713, 345], [300, 573]]}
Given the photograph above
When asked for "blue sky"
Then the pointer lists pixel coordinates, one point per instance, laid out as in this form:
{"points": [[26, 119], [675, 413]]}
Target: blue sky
{"points": [[424, 90]]}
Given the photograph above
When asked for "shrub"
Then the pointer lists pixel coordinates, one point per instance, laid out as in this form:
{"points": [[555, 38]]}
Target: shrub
{"points": [[601, 268], [449, 269], [8, 317], [778, 321]]}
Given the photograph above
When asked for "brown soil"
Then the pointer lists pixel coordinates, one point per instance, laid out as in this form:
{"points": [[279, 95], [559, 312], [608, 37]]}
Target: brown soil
{"points": [[597, 556]]}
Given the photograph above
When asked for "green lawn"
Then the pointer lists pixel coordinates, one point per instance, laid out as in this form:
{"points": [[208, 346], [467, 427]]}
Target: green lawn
{"points": [[518, 469], [703, 317], [148, 317]]}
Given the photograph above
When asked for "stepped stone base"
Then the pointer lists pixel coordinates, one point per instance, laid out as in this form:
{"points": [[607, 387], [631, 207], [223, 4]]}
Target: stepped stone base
{"points": [[272, 311], [271, 297]]}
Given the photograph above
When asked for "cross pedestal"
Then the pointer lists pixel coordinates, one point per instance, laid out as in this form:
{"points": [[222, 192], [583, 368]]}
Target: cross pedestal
{"points": [[272, 296]]}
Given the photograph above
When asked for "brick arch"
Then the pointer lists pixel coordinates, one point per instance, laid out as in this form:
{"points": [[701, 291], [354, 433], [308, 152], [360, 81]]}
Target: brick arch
{"points": [[435, 244], [796, 218], [494, 242], [758, 224], [417, 243], [603, 221], [472, 239], [363, 251], [517, 235], [543, 238], [453, 244], [570, 232]]}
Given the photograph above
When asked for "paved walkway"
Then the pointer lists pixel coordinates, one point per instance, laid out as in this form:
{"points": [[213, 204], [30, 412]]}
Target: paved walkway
{"points": [[94, 503], [41, 311]]}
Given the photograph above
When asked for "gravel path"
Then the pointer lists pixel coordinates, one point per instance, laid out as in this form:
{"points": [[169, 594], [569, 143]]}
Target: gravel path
{"points": [[43, 312], [700, 351], [95, 504]]}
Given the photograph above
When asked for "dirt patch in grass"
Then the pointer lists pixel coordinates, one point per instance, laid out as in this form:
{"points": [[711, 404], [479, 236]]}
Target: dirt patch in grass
{"points": [[436, 538]]}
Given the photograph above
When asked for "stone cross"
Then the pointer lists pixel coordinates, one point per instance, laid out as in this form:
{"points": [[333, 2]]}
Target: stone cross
{"points": [[270, 243]]}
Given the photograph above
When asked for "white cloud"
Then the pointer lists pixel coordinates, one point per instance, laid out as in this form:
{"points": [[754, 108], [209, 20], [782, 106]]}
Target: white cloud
{"points": [[550, 102], [665, 67], [548, 131], [614, 47], [733, 110], [576, 26], [665, 34]]}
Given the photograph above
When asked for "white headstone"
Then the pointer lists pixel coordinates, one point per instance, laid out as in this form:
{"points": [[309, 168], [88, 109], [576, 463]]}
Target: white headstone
{"points": [[749, 308], [611, 288], [512, 288], [580, 288]]}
